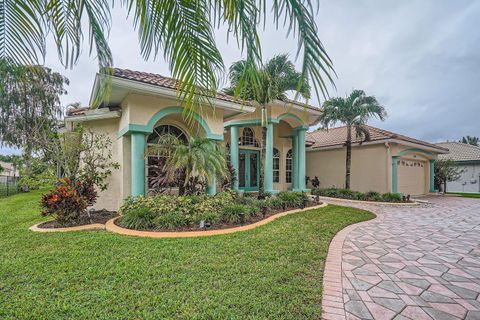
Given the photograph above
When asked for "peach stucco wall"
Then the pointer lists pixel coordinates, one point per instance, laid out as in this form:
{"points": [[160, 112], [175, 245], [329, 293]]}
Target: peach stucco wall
{"points": [[369, 171]]}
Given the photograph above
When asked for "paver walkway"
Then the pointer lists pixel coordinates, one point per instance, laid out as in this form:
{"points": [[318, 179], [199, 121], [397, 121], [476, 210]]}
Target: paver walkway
{"points": [[412, 263]]}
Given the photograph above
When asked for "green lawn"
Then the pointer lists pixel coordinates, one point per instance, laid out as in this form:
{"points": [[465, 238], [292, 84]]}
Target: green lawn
{"points": [[466, 195], [274, 271]]}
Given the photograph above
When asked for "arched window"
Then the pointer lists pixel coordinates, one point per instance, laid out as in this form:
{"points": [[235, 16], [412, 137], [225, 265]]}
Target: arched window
{"points": [[156, 175], [166, 129], [248, 138], [276, 165], [288, 167]]}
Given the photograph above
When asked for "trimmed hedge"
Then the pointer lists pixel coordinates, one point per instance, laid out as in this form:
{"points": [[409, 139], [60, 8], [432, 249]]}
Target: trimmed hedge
{"points": [[168, 212], [355, 195]]}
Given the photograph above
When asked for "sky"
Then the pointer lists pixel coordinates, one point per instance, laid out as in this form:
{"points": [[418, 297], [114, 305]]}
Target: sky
{"points": [[420, 58]]}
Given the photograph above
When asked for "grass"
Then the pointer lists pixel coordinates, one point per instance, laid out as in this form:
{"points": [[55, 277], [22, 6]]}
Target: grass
{"points": [[466, 194], [274, 271]]}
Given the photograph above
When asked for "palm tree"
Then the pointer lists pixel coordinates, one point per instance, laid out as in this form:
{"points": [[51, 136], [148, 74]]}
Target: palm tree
{"points": [[263, 85], [470, 140], [353, 111], [182, 31], [200, 159]]}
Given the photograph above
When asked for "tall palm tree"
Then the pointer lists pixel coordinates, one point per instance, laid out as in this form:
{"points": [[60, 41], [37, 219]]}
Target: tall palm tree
{"points": [[182, 31], [263, 85], [353, 111], [474, 141]]}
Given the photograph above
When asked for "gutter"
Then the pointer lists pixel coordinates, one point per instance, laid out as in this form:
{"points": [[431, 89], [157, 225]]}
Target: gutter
{"points": [[93, 115]]}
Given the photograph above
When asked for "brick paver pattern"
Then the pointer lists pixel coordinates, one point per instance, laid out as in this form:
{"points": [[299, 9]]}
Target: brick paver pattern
{"points": [[415, 263]]}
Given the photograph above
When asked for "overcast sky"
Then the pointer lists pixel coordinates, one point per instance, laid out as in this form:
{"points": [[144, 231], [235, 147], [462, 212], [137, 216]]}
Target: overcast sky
{"points": [[420, 58]]}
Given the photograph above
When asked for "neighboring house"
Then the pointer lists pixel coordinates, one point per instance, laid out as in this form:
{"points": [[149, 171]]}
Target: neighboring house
{"points": [[467, 158], [9, 169], [143, 105], [389, 162]]}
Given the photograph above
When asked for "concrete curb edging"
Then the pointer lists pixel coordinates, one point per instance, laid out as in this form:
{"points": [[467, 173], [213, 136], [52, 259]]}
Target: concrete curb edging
{"points": [[333, 306], [379, 203], [112, 227], [93, 226]]}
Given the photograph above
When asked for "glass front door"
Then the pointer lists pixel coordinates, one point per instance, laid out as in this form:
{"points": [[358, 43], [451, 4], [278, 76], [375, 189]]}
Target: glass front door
{"points": [[248, 170]]}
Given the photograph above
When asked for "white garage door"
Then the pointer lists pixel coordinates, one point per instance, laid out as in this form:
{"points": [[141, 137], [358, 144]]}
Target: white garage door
{"points": [[411, 176]]}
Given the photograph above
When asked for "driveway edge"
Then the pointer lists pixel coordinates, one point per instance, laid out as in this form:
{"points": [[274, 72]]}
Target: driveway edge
{"points": [[333, 306]]}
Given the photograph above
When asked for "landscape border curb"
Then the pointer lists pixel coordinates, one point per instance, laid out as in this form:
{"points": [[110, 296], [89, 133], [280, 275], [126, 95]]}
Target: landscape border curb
{"points": [[112, 227], [93, 226]]}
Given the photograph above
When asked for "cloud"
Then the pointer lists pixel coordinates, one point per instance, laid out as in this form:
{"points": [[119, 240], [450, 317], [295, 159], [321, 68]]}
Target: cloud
{"points": [[419, 57]]}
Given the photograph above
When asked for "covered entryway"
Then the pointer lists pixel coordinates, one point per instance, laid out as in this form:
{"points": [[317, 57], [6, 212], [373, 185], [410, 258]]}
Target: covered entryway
{"points": [[412, 176]]}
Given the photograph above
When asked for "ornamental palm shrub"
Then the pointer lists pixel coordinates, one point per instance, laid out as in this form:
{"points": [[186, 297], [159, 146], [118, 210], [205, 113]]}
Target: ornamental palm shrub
{"points": [[291, 199], [200, 159], [392, 197], [353, 111]]}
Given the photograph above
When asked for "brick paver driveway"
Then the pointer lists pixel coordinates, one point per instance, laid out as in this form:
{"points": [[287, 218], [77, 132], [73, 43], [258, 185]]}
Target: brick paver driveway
{"points": [[414, 263]]}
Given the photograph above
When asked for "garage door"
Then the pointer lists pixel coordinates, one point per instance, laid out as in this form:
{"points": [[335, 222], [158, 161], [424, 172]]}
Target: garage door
{"points": [[411, 176]]}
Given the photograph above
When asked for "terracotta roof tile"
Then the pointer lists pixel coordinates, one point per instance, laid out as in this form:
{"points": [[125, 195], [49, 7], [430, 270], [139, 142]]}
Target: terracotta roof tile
{"points": [[338, 136], [460, 151], [165, 82]]}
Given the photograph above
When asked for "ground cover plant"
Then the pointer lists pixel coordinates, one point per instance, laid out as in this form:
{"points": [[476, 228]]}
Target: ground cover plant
{"points": [[191, 212], [355, 195], [274, 271]]}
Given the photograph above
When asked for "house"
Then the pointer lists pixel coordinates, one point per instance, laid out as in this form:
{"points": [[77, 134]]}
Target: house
{"points": [[143, 105], [388, 162], [467, 159], [9, 169]]}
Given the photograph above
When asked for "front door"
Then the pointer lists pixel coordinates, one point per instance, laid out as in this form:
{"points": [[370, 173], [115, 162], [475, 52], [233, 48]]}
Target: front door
{"points": [[248, 170]]}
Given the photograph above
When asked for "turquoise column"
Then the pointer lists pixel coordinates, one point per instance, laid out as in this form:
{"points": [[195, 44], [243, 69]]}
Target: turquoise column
{"points": [[294, 161], [138, 163], [268, 173], [301, 159], [432, 175], [394, 174], [212, 187], [234, 153]]}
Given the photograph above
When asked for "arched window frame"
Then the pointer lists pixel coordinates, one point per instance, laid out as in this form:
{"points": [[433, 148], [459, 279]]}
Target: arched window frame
{"points": [[276, 165], [288, 166], [248, 138]]}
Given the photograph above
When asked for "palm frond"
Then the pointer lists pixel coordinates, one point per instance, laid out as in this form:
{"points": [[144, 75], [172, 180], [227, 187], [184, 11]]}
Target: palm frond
{"points": [[183, 31], [22, 37]]}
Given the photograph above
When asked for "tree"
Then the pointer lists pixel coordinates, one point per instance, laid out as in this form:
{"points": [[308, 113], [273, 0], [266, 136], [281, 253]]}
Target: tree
{"points": [[183, 31], [445, 171], [353, 111], [474, 141], [200, 160], [263, 85], [30, 103]]}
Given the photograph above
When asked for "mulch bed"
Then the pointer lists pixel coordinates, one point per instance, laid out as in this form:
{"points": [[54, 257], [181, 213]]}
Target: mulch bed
{"points": [[222, 225], [95, 216]]}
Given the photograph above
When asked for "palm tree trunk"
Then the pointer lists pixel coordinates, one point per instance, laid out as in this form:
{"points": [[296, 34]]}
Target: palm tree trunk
{"points": [[348, 162]]}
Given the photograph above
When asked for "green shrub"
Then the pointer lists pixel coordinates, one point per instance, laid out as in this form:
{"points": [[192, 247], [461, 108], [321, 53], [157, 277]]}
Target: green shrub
{"points": [[392, 197], [139, 218], [170, 220], [232, 213], [274, 203], [291, 199], [211, 217], [355, 195], [373, 196]]}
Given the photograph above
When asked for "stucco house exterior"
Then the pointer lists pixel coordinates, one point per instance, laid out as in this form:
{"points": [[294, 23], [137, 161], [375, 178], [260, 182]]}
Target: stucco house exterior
{"points": [[143, 105], [467, 159], [389, 162]]}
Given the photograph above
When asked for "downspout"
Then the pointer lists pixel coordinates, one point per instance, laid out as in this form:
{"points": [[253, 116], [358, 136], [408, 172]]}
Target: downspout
{"points": [[389, 168]]}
